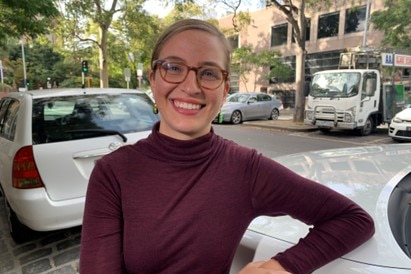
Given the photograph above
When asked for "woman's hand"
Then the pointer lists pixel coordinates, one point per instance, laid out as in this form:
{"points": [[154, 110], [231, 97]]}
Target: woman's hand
{"points": [[264, 267]]}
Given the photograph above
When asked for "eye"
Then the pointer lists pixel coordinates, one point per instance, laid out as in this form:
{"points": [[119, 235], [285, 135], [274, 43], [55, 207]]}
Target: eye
{"points": [[173, 68], [210, 74]]}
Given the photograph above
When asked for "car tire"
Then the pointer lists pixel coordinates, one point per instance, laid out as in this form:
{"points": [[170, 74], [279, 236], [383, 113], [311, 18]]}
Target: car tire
{"points": [[367, 128], [18, 231], [236, 117], [275, 113]]}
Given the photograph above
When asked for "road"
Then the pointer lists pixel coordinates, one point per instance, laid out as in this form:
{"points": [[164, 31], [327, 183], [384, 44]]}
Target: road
{"points": [[57, 252]]}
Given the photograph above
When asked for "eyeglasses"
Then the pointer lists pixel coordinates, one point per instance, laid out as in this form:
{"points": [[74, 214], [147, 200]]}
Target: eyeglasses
{"points": [[208, 77]]}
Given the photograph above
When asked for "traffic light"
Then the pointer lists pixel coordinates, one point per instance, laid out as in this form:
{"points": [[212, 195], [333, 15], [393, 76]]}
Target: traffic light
{"points": [[27, 83], [84, 66]]}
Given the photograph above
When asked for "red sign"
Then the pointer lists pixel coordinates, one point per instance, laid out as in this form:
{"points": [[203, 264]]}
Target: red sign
{"points": [[402, 60]]}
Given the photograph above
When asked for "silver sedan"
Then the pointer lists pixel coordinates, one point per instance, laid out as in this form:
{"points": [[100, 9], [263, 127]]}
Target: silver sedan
{"points": [[243, 106]]}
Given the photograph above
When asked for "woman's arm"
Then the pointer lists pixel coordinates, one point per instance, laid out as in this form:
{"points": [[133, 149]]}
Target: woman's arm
{"points": [[101, 239]]}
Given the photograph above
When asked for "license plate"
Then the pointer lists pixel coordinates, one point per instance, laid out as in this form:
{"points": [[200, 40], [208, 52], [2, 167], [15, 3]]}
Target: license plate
{"points": [[321, 123]]}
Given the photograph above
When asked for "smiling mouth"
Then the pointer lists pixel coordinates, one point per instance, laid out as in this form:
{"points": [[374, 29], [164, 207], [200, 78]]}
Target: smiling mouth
{"points": [[188, 106]]}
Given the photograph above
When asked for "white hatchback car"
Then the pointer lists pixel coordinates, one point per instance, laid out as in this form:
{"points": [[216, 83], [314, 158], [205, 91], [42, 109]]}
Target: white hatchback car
{"points": [[400, 126], [378, 178], [49, 142]]}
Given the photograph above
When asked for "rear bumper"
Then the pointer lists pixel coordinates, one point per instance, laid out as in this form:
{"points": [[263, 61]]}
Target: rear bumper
{"points": [[34, 209]]}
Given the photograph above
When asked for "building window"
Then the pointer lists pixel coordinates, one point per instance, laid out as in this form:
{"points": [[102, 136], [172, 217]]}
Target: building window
{"points": [[307, 30], [355, 19], [328, 25], [279, 35], [234, 41]]}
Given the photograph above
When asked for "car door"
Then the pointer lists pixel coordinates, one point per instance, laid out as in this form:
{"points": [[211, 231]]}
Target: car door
{"points": [[265, 105], [250, 109]]}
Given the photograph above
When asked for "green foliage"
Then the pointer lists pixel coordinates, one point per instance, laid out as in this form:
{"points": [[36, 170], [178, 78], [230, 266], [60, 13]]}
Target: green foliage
{"points": [[395, 22], [25, 17], [245, 60]]}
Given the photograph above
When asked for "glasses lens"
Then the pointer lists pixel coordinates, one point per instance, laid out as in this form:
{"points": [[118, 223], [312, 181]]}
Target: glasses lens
{"points": [[173, 72], [210, 77]]}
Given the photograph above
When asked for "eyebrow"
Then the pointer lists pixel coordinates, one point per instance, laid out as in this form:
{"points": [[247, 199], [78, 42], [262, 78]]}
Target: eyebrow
{"points": [[179, 59]]}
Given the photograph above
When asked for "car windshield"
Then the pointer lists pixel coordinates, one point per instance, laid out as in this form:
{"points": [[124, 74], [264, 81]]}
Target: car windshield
{"points": [[57, 119], [238, 98], [335, 84]]}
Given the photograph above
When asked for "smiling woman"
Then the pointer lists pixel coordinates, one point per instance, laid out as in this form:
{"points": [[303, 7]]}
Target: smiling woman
{"points": [[179, 185]]}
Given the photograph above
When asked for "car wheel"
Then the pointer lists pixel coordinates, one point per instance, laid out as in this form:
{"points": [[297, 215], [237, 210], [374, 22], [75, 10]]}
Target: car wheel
{"points": [[367, 128], [18, 231], [275, 113], [236, 117]]}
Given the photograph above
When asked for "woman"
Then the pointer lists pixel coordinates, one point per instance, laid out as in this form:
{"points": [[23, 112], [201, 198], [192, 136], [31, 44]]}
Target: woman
{"points": [[180, 200]]}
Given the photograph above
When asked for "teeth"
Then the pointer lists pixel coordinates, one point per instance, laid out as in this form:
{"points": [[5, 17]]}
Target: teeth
{"points": [[186, 105]]}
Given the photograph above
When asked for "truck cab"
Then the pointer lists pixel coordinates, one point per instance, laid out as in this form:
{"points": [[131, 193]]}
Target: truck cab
{"points": [[352, 97]]}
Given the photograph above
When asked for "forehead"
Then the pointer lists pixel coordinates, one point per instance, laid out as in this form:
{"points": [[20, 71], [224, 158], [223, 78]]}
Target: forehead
{"points": [[194, 46]]}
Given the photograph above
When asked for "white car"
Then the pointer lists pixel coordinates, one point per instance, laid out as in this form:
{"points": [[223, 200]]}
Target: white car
{"points": [[49, 142], [400, 126], [378, 178]]}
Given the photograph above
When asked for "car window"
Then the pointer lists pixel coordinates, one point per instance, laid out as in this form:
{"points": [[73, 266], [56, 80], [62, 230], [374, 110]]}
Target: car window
{"points": [[57, 119], [8, 118]]}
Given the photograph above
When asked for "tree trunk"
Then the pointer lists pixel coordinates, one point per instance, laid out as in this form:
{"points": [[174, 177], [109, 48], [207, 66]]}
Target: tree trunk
{"points": [[103, 58], [299, 83]]}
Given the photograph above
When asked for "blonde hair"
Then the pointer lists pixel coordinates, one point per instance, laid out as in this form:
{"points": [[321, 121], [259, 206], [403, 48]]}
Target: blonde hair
{"points": [[192, 24]]}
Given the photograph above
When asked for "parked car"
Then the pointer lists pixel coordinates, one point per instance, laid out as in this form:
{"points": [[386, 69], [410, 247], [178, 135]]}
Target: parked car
{"points": [[378, 178], [400, 126], [244, 106], [49, 142]]}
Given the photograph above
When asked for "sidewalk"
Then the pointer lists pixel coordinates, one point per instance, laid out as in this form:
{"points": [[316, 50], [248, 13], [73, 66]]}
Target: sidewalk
{"points": [[285, 121]]}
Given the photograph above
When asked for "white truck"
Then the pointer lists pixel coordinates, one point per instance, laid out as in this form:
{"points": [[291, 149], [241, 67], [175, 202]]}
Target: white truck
{"points": [[353, 97]]}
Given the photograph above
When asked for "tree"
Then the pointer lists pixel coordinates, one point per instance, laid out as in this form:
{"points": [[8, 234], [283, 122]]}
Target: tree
{"points": [[245, 59], [294, 12], [25, 17], [395, 22]]}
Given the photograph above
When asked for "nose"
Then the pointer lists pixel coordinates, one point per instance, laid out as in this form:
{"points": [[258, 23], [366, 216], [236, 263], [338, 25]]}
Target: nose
{"points": [[190, 83]]}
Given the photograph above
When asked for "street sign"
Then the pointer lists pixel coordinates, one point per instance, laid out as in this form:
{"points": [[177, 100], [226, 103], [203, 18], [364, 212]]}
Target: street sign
{"points": [[140, 69], [397, 60], [127, 74]]}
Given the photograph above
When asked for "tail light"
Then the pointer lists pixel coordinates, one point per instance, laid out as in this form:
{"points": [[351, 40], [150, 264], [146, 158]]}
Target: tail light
{"points": [[25, 172]]}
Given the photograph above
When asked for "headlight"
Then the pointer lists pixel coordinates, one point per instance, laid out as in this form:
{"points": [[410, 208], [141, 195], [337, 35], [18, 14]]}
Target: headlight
{"points": [[309, 114], [397, 120], [348, 117]]}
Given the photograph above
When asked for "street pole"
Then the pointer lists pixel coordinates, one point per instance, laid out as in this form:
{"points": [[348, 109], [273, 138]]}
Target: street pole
{"points": [[1, 75], [24, 64], [367, 15]]}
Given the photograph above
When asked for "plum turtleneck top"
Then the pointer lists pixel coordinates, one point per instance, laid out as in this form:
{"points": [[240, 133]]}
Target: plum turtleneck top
{"points": [[169, 206]]}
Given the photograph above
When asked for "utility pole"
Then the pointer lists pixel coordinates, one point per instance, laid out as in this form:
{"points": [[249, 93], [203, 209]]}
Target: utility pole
{"points": [[23, 56]]}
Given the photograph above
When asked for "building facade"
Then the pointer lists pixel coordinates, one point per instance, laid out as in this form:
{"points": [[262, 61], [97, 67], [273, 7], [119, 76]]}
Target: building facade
{"points": [[330, 31]]}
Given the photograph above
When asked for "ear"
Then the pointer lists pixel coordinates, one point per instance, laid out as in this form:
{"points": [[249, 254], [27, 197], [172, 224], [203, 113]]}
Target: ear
{"points": [[226, 90], [151, 78]]}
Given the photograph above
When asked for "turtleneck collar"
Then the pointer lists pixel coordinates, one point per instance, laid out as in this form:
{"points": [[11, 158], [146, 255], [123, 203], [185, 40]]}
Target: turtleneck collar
{"points": [[163, 147]]}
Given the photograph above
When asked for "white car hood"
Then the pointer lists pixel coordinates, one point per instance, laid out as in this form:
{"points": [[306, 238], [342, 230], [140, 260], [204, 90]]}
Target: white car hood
{"points": [[365, 175], [404, 114]]}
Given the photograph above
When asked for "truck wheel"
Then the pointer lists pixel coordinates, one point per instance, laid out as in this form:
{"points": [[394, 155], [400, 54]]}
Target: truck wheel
{"points": [[367, 128], [236, 117], [18, 231]]}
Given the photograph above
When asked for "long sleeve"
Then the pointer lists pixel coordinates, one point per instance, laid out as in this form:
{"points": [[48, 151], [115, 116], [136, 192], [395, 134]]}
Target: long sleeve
{"points": [[338, 224], [101, 239]]}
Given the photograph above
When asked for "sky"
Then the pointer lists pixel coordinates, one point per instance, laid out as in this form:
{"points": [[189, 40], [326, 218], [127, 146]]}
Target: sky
{"points": [[158, 7]]}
